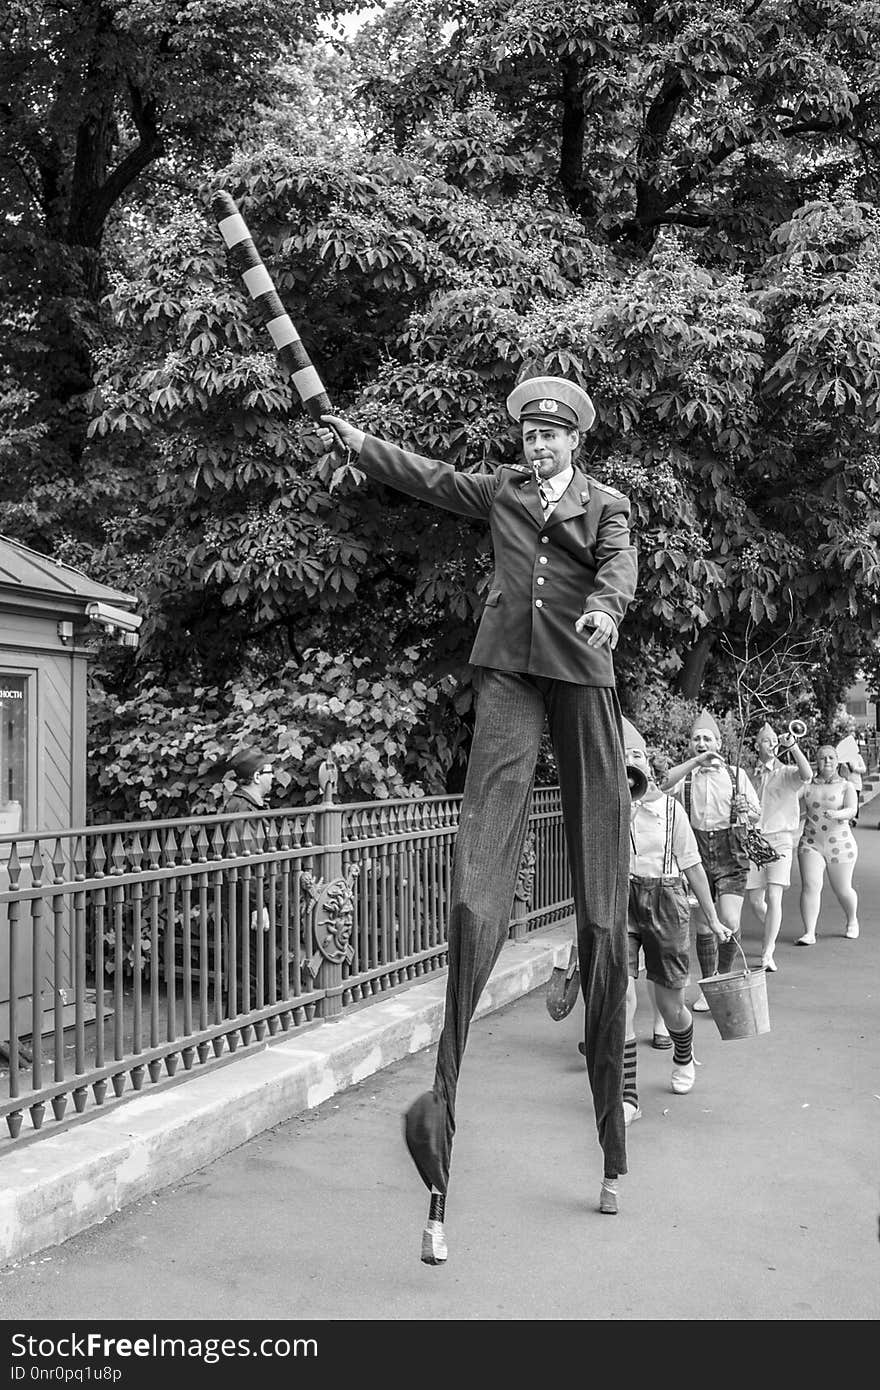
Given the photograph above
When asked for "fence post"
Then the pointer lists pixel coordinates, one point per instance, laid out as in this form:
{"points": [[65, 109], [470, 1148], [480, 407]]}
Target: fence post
{"points": [[328, 873]]}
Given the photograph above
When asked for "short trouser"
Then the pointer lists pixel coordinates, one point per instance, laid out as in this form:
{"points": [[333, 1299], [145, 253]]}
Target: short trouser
{"points": [[779, 871], [658, 921], [724, 859]]}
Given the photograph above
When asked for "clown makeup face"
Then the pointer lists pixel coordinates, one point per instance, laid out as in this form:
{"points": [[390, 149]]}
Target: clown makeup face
{"points": [[826, 761], [704, 741], [548, 448], [637, 757]]}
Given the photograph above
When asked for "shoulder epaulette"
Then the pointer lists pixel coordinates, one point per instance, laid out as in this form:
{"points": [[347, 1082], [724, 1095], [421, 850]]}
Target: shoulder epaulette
{"points": [[603, 487]]}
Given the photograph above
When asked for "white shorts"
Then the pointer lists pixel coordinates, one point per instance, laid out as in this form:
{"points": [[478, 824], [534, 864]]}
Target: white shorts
{"points": [[780, 869]]}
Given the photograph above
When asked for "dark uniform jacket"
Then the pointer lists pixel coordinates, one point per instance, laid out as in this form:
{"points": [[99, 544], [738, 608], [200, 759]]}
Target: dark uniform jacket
{"points": [[240, 799], [546, 573]]}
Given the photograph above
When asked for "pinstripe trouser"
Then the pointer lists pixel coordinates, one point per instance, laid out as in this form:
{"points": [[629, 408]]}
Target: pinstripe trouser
{"points": [[587, 741]]}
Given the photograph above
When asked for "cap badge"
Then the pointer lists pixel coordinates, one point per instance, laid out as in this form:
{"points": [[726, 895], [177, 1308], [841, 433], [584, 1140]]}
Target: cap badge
{"points": [[548, 405]]}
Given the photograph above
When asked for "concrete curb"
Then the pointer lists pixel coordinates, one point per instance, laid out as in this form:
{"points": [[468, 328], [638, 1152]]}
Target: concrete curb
{"points": [[56, 1187]]}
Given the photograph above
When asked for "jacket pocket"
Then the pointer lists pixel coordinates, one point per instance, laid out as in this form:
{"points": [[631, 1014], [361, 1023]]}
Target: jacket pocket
{"points": [[493, 598]]}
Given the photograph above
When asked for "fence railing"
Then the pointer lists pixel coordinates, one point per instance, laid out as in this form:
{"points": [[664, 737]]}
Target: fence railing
{"points": [[134, 950]]}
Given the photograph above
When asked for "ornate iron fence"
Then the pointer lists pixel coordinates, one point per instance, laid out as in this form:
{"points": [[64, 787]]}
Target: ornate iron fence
{"points": [[134, 950]]}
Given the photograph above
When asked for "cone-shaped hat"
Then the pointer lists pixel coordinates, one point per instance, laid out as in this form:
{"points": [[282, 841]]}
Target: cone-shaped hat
{"points": [[632, 738], [706, 720]]}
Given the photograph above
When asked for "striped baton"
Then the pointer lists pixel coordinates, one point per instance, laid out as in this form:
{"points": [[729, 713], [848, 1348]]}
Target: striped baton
{"points": [[246, 259]]}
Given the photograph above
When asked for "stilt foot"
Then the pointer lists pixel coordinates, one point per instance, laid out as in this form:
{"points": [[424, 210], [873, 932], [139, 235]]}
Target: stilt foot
{"points": [[434, 1249]]}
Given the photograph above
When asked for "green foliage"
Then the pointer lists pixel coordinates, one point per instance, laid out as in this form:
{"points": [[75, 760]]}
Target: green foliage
{"points": [[157, 756], [672, 204]]}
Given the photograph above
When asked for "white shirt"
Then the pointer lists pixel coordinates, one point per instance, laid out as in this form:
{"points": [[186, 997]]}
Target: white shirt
{"points": [[779, 787], [711, 792], [554, 487], [648, 845]]}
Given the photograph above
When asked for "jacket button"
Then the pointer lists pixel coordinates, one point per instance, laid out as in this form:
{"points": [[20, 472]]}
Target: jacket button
{"points": [[541, 579], [544, 540], [542, 559], [539, 603]]}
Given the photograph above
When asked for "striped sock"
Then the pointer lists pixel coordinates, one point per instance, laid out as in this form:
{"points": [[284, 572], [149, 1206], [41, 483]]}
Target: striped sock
{"points": [[683, 1045], [630, 1090], [707, 954]]}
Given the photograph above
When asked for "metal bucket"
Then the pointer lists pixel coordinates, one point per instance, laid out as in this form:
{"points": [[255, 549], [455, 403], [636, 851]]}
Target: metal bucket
{"points": [[738, 1001]]}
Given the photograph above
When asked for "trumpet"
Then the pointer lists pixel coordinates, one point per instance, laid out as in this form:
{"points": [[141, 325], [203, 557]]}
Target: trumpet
{"points": [[796, 730]]}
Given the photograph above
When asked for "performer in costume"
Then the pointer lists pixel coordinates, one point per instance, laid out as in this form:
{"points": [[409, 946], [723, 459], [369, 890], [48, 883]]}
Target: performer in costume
{"points": [[565, 572], [715, 797], [779, 786], [663, 849], [828, 844]]}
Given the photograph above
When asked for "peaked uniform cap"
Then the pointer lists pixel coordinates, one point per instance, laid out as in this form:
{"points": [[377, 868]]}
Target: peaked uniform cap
{"points": [[552, 400], [632, 738], [706, 720]]}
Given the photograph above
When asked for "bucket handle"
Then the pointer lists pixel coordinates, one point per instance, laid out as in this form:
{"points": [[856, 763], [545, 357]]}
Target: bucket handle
{"points": [[746, 970]]}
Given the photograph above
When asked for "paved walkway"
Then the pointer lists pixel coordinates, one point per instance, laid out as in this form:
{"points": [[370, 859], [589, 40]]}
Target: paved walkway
{"points": [[754, 1198]]}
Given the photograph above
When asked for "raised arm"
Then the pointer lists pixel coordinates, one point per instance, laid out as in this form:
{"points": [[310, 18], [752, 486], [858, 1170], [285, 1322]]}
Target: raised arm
{"points": [[680, 771], [789, 743], [428, 480]]}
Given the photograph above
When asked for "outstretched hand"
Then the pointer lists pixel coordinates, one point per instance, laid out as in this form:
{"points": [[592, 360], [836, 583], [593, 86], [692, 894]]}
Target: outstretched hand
{"points": [[604, 628], [335, 432]]}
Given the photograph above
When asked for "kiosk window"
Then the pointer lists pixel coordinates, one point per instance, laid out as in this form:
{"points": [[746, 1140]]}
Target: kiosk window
{"points": [[13, 750]]}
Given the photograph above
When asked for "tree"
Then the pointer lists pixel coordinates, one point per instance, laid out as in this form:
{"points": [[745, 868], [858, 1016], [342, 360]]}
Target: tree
{"points": [[435, 224], [103, 103]]}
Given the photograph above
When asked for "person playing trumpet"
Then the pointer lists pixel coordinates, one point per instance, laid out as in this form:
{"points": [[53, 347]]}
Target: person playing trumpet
{"points": [[779, 786]]}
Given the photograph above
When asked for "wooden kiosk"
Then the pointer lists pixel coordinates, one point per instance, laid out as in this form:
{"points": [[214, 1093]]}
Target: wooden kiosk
{"points": [[47, 612]]}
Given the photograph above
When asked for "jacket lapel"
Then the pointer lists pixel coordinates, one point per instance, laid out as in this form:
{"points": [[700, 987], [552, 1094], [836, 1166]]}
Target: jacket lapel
{"points": [[527, 494], [573, 502]]}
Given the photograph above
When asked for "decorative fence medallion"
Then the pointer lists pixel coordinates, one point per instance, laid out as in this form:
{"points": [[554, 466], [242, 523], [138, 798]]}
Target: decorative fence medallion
{"points": [[333, 912]]}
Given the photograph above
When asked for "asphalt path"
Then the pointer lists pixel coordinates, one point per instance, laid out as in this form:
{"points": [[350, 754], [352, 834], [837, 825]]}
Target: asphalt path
{"points": [[753, 1198]]}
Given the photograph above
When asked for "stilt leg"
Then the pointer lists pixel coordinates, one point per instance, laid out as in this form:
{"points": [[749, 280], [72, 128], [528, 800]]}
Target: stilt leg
{"points": [[433, 1236]]}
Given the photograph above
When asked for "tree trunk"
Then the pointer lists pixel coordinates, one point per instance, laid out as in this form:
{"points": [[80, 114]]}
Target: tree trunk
{"points": [[571, 157], [690, 677]]}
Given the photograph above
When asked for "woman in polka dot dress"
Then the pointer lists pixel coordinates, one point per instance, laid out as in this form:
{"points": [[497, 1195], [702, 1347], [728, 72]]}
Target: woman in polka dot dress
{"points": [[827, 842]]}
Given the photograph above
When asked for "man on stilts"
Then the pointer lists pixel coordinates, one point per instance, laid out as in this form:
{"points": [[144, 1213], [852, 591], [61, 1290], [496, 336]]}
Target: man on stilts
{"points": [[565, 573]]}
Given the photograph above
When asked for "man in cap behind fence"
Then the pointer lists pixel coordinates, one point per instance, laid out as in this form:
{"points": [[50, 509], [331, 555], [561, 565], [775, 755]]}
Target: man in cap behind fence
{"points": [[565, 573]]}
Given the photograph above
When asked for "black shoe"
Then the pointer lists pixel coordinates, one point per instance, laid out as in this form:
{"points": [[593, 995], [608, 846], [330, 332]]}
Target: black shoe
{"points": [[423, 1126]]}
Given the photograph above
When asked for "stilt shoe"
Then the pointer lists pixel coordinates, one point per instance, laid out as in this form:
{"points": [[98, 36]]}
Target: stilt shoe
{"points": [[608, 1200]]}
